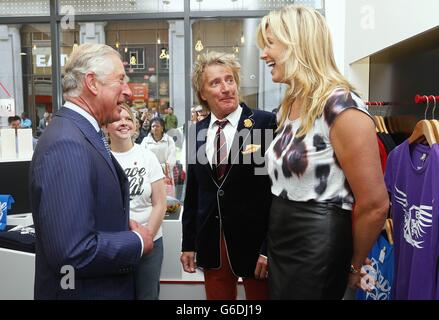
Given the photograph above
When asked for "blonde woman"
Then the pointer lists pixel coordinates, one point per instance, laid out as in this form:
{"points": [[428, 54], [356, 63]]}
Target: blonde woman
{"points": [[147, 198], [324, 156]]}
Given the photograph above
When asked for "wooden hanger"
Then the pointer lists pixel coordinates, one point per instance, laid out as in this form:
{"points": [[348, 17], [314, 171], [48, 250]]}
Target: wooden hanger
{"points": [[435, 126], [423, 131], [434, 122], [389, 230], [378, 124], [375, 120], [383, 125]]}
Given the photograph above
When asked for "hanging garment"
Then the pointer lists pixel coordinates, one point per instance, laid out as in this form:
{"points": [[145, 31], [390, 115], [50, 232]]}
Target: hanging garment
{"points": [[387, 140], [412, 179], [383, 153], [382, 262], [381, 254]]}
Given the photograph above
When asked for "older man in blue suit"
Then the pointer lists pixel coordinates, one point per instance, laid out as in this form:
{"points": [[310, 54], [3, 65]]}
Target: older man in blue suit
{"points": [[228, 197], [80, 196]]}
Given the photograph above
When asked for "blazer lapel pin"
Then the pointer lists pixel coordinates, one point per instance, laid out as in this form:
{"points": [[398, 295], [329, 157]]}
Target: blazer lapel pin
{"points": [[250, 148], [248, 123]]}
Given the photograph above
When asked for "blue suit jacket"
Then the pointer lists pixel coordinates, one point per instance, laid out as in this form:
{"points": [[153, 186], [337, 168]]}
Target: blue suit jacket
{"points": [[239, 204], [80, 208]]}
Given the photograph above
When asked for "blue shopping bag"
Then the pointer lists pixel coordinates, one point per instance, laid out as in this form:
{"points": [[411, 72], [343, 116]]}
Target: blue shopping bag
{"points": [[6, 202]]}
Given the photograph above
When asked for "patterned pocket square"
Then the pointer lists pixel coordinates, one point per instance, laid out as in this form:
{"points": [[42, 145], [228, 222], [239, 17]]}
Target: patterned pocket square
{"points": [[250, 148]]}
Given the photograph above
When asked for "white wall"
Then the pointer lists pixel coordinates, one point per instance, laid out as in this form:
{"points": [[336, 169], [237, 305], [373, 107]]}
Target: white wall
{"points": [[372, 25], [369, 26], [358, 75], [335, 13]]}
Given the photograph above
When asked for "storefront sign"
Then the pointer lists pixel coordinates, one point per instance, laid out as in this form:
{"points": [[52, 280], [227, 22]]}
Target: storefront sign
{"points": [[139, 90], [7, 107], [44, 61]]}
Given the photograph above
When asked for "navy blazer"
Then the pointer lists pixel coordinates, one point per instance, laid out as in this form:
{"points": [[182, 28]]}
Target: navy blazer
{"points": [[240, 203], [80, 208]]}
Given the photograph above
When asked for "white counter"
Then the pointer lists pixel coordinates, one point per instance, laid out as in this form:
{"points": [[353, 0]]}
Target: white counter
{"points": [[17, 268]]}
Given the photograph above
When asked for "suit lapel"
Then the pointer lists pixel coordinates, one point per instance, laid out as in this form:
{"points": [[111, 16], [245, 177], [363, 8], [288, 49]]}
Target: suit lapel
{"points": [[90, 134], [203, 127]]}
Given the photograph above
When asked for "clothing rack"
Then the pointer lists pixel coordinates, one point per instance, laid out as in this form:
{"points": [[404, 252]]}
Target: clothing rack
{"points": [[378, 103], [423, 98]]}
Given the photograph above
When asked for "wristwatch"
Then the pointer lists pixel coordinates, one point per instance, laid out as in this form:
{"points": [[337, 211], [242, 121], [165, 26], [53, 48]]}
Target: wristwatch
{"points": [[354, 270]]}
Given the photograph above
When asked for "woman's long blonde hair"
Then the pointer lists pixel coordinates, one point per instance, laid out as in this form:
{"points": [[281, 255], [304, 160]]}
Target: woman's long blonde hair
{"points": [[310, 69]]}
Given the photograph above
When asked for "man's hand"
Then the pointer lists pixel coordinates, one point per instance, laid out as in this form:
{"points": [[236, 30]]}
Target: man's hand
{"points": [[261, 271], [146, 235], [188, 261]]}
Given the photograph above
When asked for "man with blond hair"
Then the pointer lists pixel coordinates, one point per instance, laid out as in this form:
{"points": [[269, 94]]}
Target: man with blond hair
{"points": [[226, 207]]}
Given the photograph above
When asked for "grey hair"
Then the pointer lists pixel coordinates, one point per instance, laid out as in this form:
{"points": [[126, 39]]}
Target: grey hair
{"points": [[213, 58], [87, 57]]}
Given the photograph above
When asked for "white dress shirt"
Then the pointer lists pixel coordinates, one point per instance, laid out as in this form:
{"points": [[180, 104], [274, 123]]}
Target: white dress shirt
{"points": [[229, 131], [83, 113]]}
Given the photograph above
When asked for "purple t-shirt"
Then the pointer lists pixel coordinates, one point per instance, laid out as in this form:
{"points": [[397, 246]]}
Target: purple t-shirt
{"points": [[412, 178]]}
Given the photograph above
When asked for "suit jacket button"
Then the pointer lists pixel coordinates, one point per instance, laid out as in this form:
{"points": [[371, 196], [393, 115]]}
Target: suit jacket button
{"points": [[221, 193]]}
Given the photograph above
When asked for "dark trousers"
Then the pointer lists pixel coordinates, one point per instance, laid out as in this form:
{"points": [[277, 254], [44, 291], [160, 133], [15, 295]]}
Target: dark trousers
{"points": [[309, 250]]}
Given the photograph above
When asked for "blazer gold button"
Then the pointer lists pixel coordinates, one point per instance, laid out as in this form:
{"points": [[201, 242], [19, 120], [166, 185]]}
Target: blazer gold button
{"points": [[221, 193]]}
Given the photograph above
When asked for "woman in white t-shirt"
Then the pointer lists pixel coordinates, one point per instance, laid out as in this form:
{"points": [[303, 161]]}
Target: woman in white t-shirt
{"points": [[147, 198]]}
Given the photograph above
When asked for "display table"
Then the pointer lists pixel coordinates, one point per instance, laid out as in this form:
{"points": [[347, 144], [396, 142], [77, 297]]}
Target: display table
{"points": [[17, 271], [18, 268]]}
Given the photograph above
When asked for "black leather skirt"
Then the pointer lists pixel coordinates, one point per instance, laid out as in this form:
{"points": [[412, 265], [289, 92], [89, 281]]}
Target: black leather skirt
{"points": [[309, 250]]}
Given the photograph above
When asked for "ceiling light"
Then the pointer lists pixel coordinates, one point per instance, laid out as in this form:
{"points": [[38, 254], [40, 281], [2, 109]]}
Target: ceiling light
{"points": [[199, 46]]}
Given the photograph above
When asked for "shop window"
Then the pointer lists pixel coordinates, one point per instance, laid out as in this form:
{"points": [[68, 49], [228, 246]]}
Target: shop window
{"points": [[26, 75], [21, 8], [123, 6], [151, 81], [136, 58], [237, 37], [164, 58], [233, 5]]}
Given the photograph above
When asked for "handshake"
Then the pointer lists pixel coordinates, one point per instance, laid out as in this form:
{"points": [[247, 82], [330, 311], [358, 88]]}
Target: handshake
{"points": [[146, 235]]}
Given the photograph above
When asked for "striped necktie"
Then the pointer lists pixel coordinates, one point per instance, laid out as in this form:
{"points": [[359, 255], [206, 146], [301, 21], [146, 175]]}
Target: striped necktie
{"points": [[104, 140], [220, 154]]}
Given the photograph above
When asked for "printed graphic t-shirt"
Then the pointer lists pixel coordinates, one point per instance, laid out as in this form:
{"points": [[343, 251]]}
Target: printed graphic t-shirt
{"points": [[412, 179], [305, 168], [142, 168]]}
